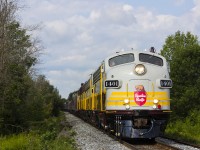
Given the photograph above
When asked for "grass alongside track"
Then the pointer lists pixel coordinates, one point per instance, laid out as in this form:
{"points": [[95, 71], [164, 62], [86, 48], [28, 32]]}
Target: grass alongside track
{"points": [[187, 129], [43, 136], [34, 142]]}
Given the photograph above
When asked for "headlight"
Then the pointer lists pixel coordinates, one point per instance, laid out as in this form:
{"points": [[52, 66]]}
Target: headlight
{"points": [[155, 101], [140, 69], [126, 101]]}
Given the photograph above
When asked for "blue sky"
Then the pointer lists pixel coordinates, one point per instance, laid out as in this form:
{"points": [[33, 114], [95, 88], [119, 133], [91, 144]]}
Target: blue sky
{"points": [[78, 34]]}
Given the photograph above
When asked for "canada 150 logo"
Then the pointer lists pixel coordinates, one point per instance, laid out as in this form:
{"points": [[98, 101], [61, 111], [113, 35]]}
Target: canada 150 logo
{"points": [[140, 95]]}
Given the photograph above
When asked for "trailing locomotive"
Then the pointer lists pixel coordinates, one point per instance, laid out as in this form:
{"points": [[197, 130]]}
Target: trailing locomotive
{"points": [[128, 95]]}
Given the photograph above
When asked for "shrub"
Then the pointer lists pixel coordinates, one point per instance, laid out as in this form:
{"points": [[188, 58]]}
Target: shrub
{"points": [[187, 129]]}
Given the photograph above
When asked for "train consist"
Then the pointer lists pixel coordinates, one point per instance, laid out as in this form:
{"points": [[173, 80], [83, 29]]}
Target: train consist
{"points": [[128, 95]]}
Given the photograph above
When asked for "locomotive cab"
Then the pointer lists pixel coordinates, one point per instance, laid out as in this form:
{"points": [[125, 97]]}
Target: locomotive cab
{"points": [[137, 94]]}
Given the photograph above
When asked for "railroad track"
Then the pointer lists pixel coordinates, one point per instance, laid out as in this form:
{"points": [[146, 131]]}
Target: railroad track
{"points": [[146, 145], [140, 144], [177, 143], [159, 144]]}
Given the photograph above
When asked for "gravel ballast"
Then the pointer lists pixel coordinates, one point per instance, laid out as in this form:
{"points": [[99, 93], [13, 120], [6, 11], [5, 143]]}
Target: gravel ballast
{"points": [[89, 138]]}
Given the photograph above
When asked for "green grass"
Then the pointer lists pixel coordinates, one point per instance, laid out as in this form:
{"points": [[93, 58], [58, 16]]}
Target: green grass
{"points": [[20, 142], [34, 142], [43, 136], [187, 129]]}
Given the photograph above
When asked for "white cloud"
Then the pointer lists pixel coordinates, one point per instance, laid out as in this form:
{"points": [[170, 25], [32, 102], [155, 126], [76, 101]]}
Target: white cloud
{"points": [[68, 80], [196, 9], [57, 26], [179, 2], [78, 35], [84, 38], [95, 15], [68, 59], [127, 8]]}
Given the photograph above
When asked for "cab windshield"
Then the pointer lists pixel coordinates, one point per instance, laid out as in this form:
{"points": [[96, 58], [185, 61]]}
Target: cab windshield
{"points": [[151, 59], [121, 59]]}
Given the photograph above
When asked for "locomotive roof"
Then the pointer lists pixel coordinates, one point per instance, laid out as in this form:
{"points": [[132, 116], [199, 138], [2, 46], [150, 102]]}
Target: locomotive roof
{"points": [[134, 52]]}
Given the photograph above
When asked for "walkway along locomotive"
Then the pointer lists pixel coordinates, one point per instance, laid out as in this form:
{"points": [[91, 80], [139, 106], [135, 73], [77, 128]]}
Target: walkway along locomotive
{"points": [[128, 95]]}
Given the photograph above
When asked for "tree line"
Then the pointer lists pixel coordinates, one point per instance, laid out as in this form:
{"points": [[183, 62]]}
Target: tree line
{"points": [[25, 98], [182, 51]]}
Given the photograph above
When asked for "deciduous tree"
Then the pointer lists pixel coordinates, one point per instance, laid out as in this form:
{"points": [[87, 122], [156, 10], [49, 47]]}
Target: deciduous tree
{"points": [[183, 52]]}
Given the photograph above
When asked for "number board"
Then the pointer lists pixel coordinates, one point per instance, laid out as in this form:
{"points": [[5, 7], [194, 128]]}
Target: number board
{"points": [[111, 83], [166, 83]]}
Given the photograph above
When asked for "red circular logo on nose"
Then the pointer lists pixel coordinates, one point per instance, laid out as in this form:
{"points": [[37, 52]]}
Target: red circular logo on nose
{"points": [[140, 95]]}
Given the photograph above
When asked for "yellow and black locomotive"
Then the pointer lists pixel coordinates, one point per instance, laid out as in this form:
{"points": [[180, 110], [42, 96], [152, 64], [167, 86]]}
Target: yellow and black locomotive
{"points": [[128, 95]]}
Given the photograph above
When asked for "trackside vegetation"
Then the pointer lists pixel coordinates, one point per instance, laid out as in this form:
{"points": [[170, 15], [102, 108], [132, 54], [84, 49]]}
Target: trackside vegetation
{"points": [[43, 137], [182, 50], [186, 129], [26, 99], [30, 107]]}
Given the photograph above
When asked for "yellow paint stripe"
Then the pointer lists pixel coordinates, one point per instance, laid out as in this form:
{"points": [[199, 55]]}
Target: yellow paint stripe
{"points": [[121, 103], [132, 98], [116, 96], [120, 93], [134, 101], [132, 93]]}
